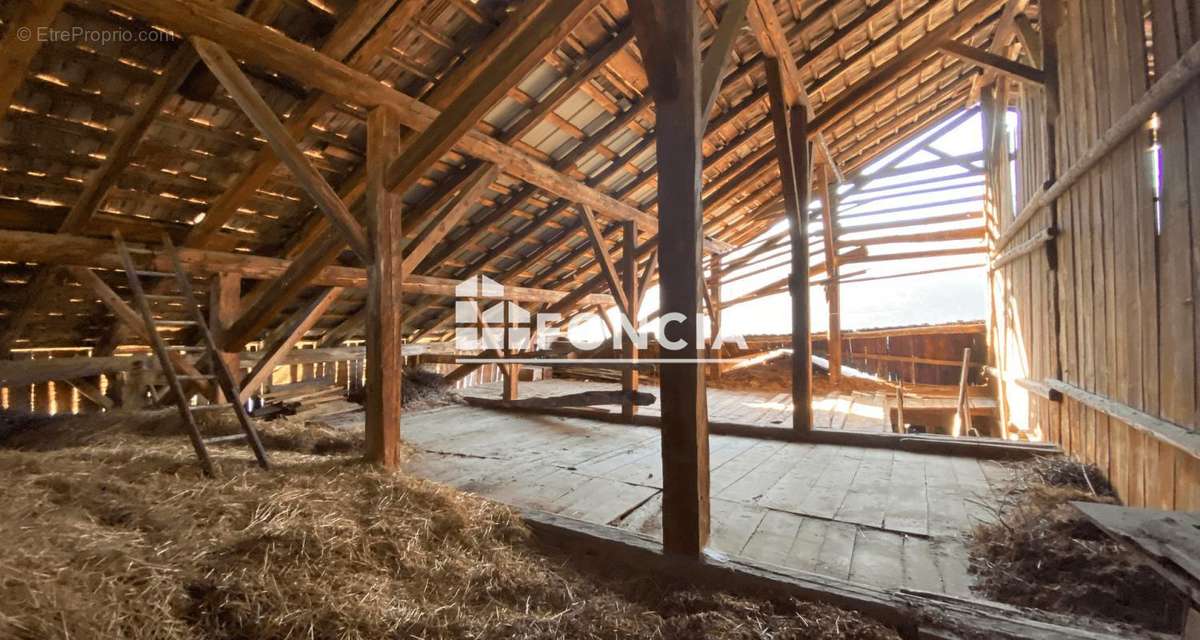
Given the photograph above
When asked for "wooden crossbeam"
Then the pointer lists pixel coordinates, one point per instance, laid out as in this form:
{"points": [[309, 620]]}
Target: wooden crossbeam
{"points": [[997, 63], [1001, 37], [21, 43], [292, 330], [226, 69], [607, 267], [880, 78], [68, 250]]}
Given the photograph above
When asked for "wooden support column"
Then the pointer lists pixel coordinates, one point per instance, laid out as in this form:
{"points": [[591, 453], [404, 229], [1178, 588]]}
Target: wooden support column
{"points": [[385, 280], [791, 144], [714, 312], [833, 294], [511, 372], [224, 304], [629, 349], [668, 38]]}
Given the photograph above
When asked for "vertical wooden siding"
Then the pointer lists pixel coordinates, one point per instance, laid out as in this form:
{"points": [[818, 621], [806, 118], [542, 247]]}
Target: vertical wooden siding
{"points": [[1125, 287]]}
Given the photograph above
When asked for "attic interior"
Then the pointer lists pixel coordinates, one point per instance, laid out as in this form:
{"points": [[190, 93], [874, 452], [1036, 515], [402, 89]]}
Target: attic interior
{"points": [[600, 318]]}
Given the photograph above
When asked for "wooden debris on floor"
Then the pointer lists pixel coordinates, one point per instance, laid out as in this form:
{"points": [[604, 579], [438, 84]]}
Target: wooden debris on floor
{"points": [[317, 400]]}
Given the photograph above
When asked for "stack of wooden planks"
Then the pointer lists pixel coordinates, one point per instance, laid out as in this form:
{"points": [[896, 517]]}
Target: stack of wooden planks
{"points": [[318, 400]]}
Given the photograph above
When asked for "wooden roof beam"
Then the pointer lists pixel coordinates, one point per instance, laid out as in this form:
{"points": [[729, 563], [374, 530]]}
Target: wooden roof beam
{"points": [[280, 53], [226, 69], [535, 32], [995, 63], [1001, 38], [879, 79], [71, 250], [437, 230]]}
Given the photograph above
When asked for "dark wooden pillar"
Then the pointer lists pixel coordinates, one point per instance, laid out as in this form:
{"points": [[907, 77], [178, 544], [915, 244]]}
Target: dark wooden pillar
{"points": [[629, 349], [670, 45], [833, 294], [224, 305], [791, 145], [385, 278]]}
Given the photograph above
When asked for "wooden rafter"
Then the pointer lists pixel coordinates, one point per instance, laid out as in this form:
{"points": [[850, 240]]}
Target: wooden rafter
{"points": [[437, 230], [607, 267], [226, 69], [537, 29], [291, 332]]}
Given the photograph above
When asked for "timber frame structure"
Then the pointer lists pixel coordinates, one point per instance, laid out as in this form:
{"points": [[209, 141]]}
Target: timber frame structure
{"points": [[333, 170]]}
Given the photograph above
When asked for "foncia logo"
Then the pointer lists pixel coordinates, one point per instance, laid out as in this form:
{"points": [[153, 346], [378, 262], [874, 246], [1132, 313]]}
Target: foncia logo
{"points": [[485, 321], [502, 325]]}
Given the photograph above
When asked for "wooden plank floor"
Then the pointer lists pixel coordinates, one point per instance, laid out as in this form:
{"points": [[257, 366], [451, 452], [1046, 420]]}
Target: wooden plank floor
{"points": [[858, 411], [888, 518]]}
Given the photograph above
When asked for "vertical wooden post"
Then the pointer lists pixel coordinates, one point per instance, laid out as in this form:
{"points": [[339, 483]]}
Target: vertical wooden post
{"points": [[714, 312], [667, 35], [833, 293], [512, 372], [224, 305], [791, 145], [629, 349], [963, 423], [385, 278]]}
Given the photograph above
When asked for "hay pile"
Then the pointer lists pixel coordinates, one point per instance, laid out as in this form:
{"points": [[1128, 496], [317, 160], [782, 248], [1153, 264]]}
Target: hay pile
{"points": [[421, 389], [112, 532], [1041, 552]]}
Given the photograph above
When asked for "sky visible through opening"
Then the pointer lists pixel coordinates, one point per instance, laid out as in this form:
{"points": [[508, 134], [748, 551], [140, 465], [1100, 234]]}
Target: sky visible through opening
{"points": [[951, 296]]}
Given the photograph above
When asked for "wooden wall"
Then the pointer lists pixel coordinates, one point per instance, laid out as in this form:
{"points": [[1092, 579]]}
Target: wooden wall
{"points": [[1116, 316]]}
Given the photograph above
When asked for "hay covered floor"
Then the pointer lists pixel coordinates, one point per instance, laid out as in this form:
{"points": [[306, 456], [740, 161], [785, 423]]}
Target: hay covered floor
{"points": [[1041, 552], [110, 531]]}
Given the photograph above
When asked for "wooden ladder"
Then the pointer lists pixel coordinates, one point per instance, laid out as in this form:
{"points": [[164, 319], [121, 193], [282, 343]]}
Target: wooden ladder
{"points": [[221, 373]]}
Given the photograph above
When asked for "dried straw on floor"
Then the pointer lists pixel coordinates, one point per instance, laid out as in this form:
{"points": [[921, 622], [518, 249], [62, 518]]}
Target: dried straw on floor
{"points": [[1041, 552], [116, 534]]}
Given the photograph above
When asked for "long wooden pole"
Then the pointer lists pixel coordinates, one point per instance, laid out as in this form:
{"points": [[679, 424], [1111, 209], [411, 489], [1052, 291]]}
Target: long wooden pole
{"points": [[791, 143], [669, 40], [833, 294]]}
